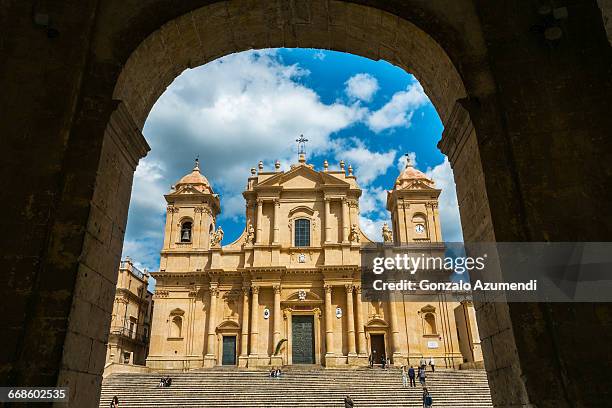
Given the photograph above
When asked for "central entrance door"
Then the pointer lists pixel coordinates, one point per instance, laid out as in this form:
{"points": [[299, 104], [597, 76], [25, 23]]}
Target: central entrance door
{"points": [[229, 350], [302, 349], [377, 342]]}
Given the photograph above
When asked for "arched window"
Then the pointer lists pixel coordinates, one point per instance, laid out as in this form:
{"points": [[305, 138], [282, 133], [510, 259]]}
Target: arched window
{"points": [[302, 232], [186, 231], [176, 327], [430, 324]]}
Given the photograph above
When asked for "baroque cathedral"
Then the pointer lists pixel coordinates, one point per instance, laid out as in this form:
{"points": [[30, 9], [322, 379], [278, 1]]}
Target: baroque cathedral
{"points": [[288, 290]]}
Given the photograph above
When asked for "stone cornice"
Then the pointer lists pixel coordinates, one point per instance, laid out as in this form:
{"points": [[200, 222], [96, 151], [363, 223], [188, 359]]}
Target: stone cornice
{"points": [[127, 136]]}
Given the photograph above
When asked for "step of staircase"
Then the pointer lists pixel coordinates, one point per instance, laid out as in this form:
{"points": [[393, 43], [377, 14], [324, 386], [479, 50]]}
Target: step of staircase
{"points": [[297, 387]]}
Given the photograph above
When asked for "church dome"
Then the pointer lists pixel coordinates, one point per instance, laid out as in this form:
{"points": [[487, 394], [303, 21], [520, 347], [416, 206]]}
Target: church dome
{"points": [[409, 175], [196, 179]]}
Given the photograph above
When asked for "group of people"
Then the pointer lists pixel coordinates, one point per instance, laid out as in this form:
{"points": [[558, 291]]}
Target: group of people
{"points": [[165, 382], [409, 375], [275, 373]]}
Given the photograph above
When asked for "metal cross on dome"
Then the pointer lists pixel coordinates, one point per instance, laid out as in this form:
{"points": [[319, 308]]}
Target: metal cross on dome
{"points": [[301, 144]]}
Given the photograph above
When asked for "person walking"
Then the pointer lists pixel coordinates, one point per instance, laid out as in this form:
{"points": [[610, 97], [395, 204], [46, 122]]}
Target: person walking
{"points": [[404, 377], [422, 377], [114, 402], [383, 360], [411, 376], [432, 363], [348, 402], [427, 399], [423, 363]]}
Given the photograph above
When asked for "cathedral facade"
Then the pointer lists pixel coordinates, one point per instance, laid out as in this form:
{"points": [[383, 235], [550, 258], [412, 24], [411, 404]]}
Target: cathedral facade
{"points": [[288, 290]]}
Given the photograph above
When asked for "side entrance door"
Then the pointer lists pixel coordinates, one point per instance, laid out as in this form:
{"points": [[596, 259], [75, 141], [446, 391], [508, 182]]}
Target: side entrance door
{"points": [[229, 350]]}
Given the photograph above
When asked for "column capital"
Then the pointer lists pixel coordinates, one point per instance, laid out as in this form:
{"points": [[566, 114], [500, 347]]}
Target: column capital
{"points": [[328, 288], [276, 288], [214, 291], [255, 289], [349, 287], [358, 289]]}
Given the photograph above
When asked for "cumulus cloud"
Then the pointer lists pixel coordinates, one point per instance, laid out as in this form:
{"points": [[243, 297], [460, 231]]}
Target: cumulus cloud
{"points": [[361, 86], [372, 227], [442, 175], [401, 160], [373, 201], [367, 164], [399, 110]]}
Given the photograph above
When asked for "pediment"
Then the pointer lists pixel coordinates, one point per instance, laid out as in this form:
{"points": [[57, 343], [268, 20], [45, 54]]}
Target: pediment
{"points": [[303, 296], [377, 322], [417, 185], [185, 189], [302, 177]]}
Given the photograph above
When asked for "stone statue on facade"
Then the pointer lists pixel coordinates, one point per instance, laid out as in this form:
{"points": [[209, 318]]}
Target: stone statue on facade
{"points": [[354, 235], [250, 237], [387, 234], [216, 237]]}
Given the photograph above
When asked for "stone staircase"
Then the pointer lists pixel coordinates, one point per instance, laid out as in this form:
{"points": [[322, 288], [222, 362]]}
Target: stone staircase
{"points": [[297, 387]]}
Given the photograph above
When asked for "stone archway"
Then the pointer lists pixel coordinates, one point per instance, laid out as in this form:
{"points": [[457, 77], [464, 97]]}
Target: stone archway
{"points": [[481, 67]]}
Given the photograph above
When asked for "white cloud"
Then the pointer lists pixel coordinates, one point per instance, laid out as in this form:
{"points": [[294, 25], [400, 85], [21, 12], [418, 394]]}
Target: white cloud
{"points": [[367, 164], [401, 161], [319, 55], [144, 253], [361, 86], [442, 175], [373, 200], [399, 110], [372, 227]]}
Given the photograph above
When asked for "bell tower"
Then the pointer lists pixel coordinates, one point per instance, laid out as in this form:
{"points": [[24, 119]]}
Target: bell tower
{"points": [[413, 204], [191, 213]]}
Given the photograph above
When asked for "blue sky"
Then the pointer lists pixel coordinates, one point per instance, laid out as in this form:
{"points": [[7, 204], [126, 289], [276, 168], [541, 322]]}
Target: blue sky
{"points": [[251, 106]]}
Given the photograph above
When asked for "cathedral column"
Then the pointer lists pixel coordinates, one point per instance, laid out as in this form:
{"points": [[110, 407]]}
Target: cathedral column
{"points": [[259, 220], [276, 221], [254, 319], [244, 342], [277, 316], [212, 322], [327, 221], [361, 338], [394, 329], [350, 321], [345, 221], [329, 329]]}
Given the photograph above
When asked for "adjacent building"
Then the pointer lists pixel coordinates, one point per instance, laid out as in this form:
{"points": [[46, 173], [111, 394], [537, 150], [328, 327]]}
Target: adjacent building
{"points": [[288, 290], [128, 341]]}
